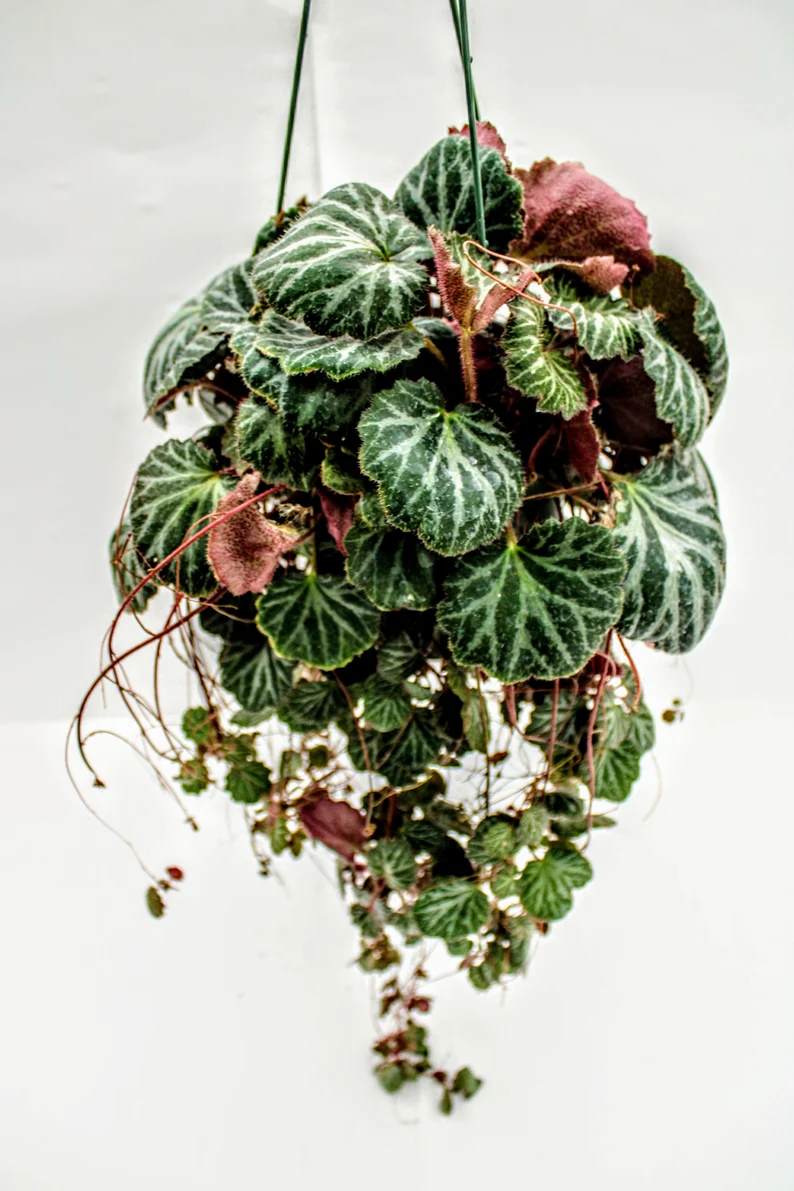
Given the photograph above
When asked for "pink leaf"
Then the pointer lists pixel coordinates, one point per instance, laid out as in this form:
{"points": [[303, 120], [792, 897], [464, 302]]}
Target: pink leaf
{"points": [[458, 296], [583, 445], [487, 136], [244, 549], [573, 215], [338, 512], [602, 273], [338, 825]]}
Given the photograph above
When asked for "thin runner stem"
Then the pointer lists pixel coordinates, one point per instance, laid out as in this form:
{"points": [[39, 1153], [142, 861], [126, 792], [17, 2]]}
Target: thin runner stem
{"points": [[293, 104]]}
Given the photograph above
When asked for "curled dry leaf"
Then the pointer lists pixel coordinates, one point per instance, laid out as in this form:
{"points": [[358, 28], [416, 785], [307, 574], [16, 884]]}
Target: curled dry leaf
{"points": [[570, 214], [334, 823], [244, 549]]}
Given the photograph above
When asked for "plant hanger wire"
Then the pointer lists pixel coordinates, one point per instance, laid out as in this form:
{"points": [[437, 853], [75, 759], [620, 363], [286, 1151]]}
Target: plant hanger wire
{"points": [[460, 20]]}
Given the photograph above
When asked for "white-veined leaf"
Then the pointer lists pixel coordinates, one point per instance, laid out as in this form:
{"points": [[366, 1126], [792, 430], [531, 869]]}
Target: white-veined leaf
{"points": [[539, 607], [453, 477], [439, 192], [229, 299], [535, 368], [546, 886], [605, 327], [280, 454], [177, 486], [128, 568], [451, 910], [180, 346], [681, 396], [392, 861], [321, 620], [668, 527], [393, 568], [299, 349], [349, 266], [255, 675]]}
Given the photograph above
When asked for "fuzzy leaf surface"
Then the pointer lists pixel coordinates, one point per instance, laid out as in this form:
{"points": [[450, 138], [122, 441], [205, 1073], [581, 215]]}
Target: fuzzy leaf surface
{"points": [[452, 477], [181, 344], [538, 608], [668, 527], [439, 192], [349, 266], [605, 327], [536, 369], [311, 706], [321, 620], [177, 484], [393, 568], [681, 396], [387, 705], [393, 861], [451, 910], [299, 349], [282, 455], [256, 676]]}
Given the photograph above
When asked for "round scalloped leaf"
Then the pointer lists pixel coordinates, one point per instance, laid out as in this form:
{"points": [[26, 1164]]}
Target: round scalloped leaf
{"points": [[690, 321], [439, 192], [536, 369], [279, 454], [392, 861], [605, 327], [229, 299], [681, 396], [177, 486], [128, 568], [179, 347], [401, 756], [311, 706], [535, 608], [299, 349], [393, 568], [321, 620], [255, 675], [668, 527], [319, 405], [371, 511], [349, 266], [546, 886], [616, 771], [452, 477], [248, 781], [399, 658], [387, 705], [256, 370], [451, 910]]}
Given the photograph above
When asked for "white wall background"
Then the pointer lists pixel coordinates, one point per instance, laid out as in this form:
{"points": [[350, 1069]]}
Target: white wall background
{"points": [[652, 1043]]}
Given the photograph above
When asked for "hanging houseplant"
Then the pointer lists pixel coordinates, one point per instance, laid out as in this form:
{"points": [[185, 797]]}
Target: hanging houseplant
{"points": [[452, 471]]}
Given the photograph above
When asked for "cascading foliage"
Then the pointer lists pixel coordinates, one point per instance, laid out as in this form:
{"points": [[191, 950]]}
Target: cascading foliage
{"points": [[444, 486]]}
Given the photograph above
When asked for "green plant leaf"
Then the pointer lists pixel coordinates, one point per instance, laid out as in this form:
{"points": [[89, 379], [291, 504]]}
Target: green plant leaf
{"points": [[454, 478], [605, 327], [439, 192], [399, 658], [229, 299], [371, 511], [129, 568], [681, 396], [538, 608], [177, 486], [316, 404], [536, 369], [154, 902], [392, 860], [340, 472], [387, 705], [311, 706], [180, 346], [690, 321], [668, 527], [256, 370], [546, 886], [255, 675], [533, 825], [349, 266], [281, 455], [400, 756], [299, 349], [475, 722], [248, 781], [393, 568], [321, 620], [494, 839], [451, 910]]}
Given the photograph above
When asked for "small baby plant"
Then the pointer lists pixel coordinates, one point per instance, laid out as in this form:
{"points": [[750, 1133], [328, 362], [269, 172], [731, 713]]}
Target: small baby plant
{"points": [[451, 472]]}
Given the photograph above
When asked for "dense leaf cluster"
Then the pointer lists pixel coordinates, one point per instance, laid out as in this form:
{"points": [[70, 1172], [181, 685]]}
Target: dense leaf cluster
{"points": [[442, 485]]}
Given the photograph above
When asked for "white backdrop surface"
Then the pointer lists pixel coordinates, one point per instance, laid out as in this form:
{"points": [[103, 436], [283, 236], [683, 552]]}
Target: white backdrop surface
{"points": [[652, 1043]]}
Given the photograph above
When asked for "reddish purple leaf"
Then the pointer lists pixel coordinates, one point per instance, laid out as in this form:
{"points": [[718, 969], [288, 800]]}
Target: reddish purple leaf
{"points": [[175, 873], [338, 825], [244, 549], [487, 136], [573, 215], [602, 273], [627, 407], [458, 296], [582, 444], [338, 512]]}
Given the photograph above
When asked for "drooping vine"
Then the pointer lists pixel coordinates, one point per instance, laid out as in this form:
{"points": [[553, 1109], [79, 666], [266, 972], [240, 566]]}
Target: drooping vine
{"points": [[452, 473]]}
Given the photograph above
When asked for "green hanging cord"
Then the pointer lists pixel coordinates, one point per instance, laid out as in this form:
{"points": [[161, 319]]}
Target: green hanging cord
{"points": [[453, 4], [475, 151], [293, 103]]}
